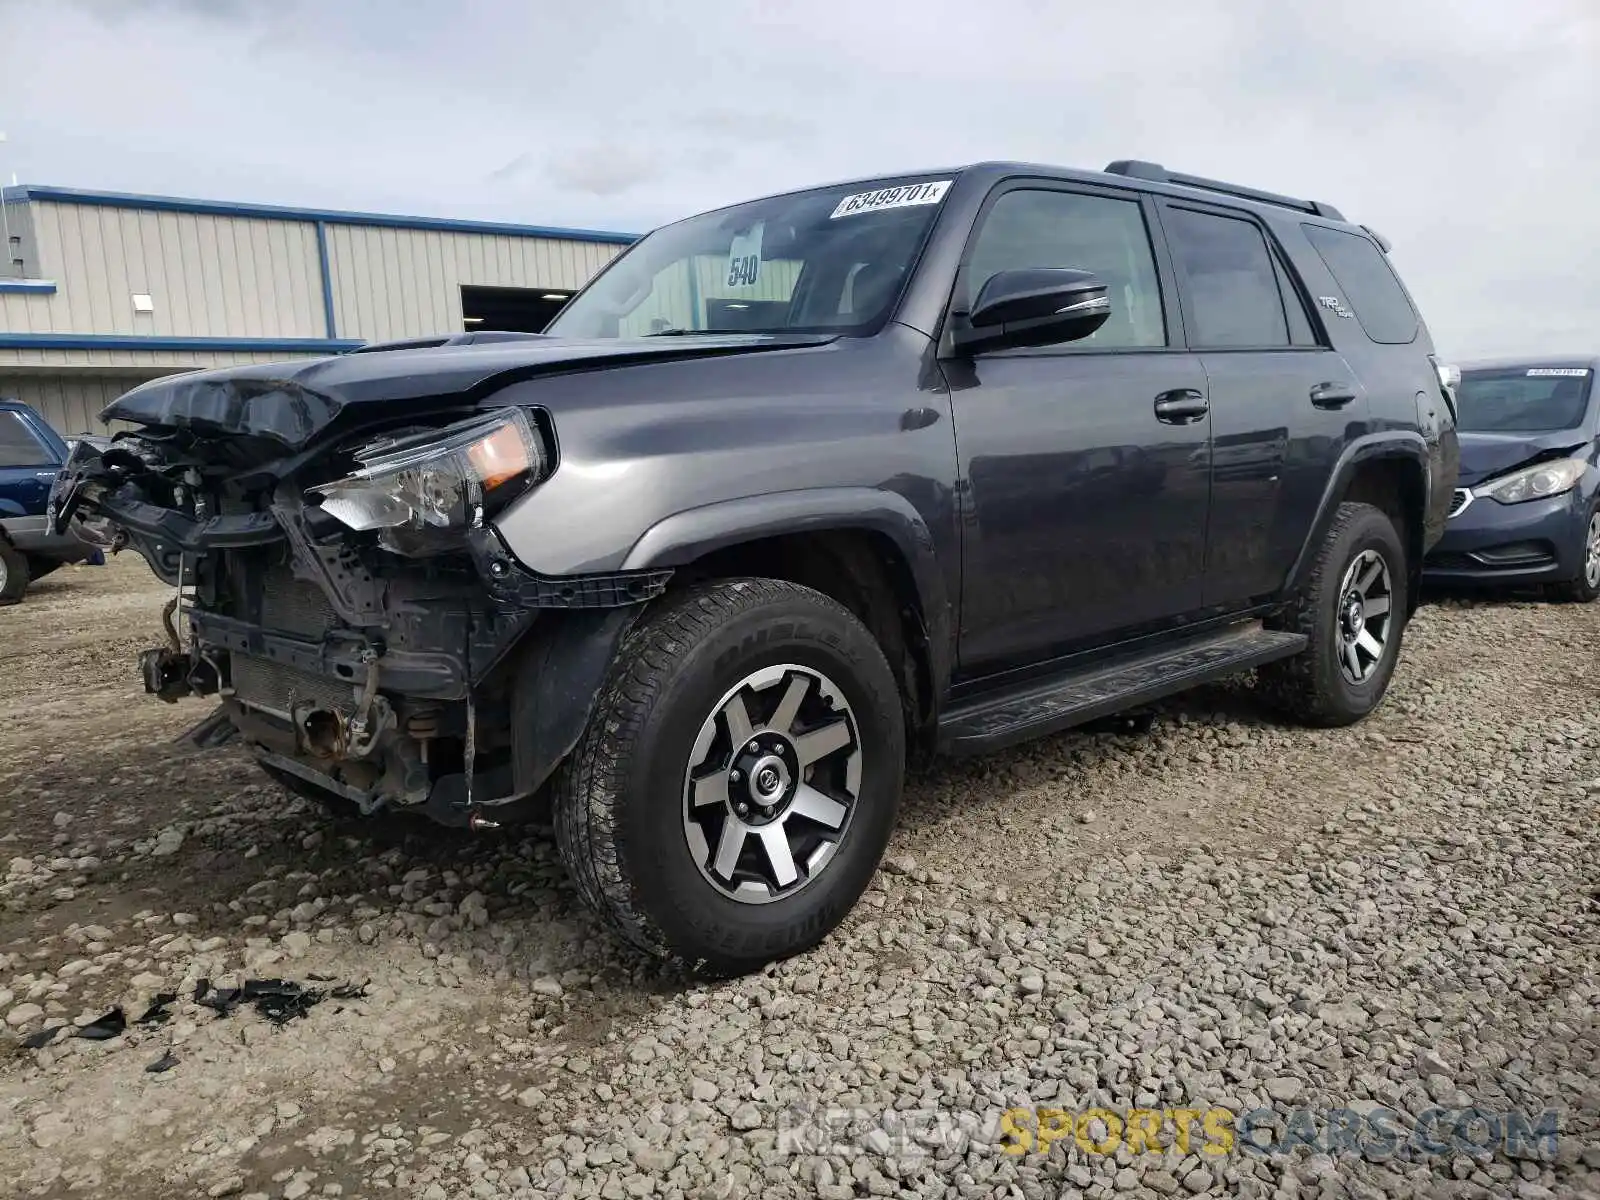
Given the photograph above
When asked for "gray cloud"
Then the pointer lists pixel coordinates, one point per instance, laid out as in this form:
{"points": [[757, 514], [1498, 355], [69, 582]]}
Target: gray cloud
{"points": [[607, 169], [117, 11], [1468, 131]]}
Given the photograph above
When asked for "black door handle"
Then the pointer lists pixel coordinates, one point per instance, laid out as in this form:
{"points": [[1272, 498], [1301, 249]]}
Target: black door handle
{"points": [[1332, 395], [1181, 407]]}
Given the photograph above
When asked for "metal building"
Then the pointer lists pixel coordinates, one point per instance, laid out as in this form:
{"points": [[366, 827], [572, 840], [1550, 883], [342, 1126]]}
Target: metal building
{"points": [[100, 291]]}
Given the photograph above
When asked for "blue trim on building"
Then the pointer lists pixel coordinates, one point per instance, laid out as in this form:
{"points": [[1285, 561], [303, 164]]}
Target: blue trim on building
{"points": [[119, 341], [274, 212], [36, 287], [330, 324]]}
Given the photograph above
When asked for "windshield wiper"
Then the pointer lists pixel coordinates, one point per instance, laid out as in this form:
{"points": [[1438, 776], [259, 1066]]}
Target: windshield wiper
{"points": [[687, 332]]}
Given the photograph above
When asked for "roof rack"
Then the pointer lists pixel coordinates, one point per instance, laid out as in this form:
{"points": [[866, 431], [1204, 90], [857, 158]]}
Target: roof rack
{"points": [[1155, 172]]}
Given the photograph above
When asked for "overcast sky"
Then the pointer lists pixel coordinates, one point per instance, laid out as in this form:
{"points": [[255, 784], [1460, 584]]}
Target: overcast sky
{"points": [[1467, 131]]}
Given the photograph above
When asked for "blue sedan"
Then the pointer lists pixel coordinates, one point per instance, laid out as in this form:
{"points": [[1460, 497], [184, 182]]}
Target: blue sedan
{"points": [[1527, 500]]}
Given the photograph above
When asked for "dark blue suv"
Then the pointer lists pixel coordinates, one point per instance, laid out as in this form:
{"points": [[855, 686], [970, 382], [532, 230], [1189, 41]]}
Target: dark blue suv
{"points": [[1526, 507], [31, 454]]}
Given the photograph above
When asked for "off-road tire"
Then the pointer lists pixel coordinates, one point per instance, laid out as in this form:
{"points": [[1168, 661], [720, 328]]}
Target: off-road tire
{"points": [[14, 575], [618, 799], [1311, 687], [1578, 590]]}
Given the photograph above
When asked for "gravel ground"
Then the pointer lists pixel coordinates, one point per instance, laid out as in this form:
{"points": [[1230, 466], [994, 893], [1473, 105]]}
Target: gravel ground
{"points": [[1219, 914]]}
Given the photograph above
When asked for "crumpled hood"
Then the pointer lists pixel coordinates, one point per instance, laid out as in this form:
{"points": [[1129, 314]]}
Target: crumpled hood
{"points": [[292, 402], [1484, 455]]}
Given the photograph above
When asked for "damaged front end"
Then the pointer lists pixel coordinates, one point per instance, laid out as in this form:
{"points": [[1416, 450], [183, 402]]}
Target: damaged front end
{"points": [[350, 604]]}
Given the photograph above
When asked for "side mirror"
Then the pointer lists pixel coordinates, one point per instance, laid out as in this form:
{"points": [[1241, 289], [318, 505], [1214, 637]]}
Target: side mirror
{"points": [[1037, 307]]}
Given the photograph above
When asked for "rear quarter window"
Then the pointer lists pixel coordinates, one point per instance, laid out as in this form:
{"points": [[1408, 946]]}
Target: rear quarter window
{"points": [[1369, 284]]}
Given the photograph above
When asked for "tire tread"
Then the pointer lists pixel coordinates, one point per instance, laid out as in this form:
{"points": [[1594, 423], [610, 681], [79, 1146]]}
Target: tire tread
{"points": [[1292, 684]]}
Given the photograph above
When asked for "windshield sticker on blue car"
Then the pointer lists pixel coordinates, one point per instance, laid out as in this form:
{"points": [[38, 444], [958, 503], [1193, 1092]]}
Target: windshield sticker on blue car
{"points": [[744, 257], [905, 196], [1564, 372]]}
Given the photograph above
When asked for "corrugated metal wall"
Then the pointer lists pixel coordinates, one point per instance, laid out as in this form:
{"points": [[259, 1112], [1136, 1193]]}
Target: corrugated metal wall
{"points": [[230, 276], [398, 283], [680, 294], [71, 403], [209, 276], [157, 362]]}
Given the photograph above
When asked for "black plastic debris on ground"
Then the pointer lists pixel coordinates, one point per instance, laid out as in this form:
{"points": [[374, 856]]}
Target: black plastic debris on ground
{"points": [[219, 1000], [158, 1012], [113, 1024], [165, 1063], [277, 1000], [107, 1027]]}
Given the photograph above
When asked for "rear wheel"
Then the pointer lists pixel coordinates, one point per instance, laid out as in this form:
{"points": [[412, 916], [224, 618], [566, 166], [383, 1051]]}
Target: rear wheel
{"points": [[739, 778], [1353, 612], [1585, 587], [13, 573]]}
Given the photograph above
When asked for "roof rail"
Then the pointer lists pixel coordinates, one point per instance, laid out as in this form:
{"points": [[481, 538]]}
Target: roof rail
{"points": [[1156, 173]]}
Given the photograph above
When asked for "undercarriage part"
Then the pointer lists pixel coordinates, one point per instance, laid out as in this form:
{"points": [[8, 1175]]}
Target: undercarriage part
{"points": [[363, 799], [167, 611], [167, 673], [322, 731], [216, 730], [422, 727]]}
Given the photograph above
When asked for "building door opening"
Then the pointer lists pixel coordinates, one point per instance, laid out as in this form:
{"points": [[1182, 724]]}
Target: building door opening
{"points": [[515, 310]]}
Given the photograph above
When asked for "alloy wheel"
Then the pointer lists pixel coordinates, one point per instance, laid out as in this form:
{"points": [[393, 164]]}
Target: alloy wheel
{"points": [[1365, 619], [772, 784]]}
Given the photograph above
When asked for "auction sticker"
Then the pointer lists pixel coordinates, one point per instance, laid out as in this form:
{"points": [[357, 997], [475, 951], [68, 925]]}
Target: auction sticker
{"points": [[905, 196]]}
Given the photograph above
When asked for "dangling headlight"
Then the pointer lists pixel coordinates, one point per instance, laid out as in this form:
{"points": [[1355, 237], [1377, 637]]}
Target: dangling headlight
{"points": [[444, 480]]}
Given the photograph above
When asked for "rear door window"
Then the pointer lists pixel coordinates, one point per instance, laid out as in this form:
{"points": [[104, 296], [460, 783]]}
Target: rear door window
{"points": [[1230, 279], [1370, 287], [19, 445]]}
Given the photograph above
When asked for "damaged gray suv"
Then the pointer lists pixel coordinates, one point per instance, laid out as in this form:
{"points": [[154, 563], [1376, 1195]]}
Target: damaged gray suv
{"points": [[791, 492]]}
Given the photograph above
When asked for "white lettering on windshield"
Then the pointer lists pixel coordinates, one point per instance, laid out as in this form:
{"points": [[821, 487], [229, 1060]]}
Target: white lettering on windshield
{"points": [[904, 196], [1564, 372]]}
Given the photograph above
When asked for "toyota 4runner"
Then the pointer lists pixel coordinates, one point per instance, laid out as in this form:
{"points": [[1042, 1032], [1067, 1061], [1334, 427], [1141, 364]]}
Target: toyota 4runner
{"points": [[792, 491]]}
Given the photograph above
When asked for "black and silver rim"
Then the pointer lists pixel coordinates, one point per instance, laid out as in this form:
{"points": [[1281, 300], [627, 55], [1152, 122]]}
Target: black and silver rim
{"points": [[772, 784], [5, 573], [1591, 554], [1365, 618]]}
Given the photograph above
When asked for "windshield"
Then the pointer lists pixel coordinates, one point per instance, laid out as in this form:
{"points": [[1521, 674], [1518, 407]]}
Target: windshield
{"points": [[831, 260], [1523, 399]]}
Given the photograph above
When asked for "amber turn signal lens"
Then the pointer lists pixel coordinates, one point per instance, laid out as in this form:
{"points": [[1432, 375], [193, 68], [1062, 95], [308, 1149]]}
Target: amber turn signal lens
{"points": [[500, 457]]}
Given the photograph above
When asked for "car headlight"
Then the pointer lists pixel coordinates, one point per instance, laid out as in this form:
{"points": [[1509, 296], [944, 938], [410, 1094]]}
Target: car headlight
{"points": [[1535, 482], [442, 481]]}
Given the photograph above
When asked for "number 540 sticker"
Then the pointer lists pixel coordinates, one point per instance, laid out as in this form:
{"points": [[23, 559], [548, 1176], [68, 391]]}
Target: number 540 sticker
{"points": [[744, 257]]}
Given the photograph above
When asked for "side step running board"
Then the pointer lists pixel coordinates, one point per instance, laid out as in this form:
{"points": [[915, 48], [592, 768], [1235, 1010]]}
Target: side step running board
{"points": [[991, 721]]}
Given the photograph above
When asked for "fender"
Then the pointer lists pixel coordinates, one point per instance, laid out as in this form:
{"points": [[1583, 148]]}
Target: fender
{"points": [[1395, 443], [685, 536]]}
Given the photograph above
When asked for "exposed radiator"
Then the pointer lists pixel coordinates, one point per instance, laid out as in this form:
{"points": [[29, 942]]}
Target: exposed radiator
{"points": [[276, 688], [294, 606]]}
